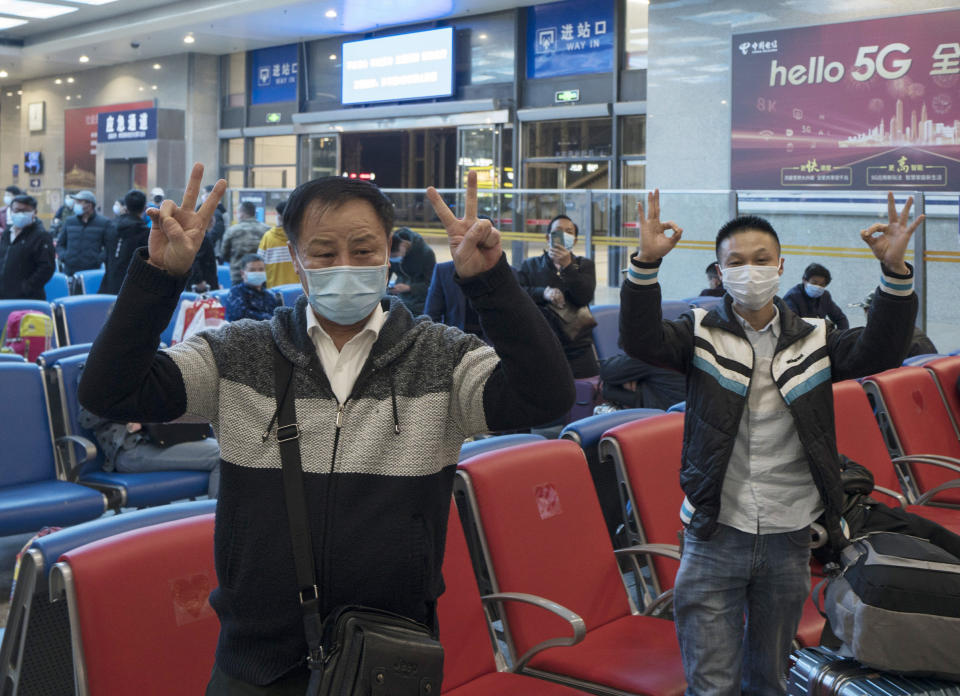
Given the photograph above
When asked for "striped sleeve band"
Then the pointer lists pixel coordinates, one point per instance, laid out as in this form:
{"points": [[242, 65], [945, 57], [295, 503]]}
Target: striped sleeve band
{"points": [[895, 283], [641, 273]]}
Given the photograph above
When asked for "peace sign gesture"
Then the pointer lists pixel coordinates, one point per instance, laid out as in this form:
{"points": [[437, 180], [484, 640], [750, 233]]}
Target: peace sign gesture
{"points": [[654, 244], [891, 244], [178, 230], [474, 244]]}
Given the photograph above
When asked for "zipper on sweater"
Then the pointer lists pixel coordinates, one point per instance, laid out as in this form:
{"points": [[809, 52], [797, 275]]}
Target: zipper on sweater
{"points": [[338, 424]]}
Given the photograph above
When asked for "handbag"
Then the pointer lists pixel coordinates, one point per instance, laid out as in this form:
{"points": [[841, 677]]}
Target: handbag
{"points": [[356, 651], [574, 321]]}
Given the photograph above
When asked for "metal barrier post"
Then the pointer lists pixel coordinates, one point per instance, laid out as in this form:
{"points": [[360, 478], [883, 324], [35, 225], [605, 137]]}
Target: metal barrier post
{"points": [[920, 261]]}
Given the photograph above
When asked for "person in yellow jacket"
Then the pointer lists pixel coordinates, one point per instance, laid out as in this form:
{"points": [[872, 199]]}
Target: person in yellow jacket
{"points": [[275, 254]]}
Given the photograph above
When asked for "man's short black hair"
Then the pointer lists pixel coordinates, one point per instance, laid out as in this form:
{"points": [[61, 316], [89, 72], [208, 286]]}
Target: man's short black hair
{"points": [[248, 209], [249, 258], [815, 269], [24, 199], [135, 201], [15, 190], [712, 270], [743, 224], [576, 228], [280, 206], [334, 191]]}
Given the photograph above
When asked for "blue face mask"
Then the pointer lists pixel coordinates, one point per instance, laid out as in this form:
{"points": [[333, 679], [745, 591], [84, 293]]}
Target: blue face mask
{"points": [[78, 209], [21, 220], [568, 241], [345, 294], [813, 291], [396, 260], [256, 278]]}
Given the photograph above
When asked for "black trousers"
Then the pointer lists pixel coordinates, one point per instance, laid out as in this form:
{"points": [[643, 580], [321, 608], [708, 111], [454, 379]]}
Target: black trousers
{"points": [[293, 684]]}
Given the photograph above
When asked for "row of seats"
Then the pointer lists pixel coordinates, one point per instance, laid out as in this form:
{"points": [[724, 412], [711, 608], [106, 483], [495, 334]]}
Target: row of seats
{"points": [[88, 282], [538, 530]]}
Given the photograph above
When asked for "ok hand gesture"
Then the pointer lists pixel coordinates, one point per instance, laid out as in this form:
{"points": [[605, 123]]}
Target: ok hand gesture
{"points": [[654, 244], [178, 230], [474, 243], [890, 245]]}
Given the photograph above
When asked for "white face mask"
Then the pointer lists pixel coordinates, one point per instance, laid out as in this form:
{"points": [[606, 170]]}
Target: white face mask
{"points": [[752, 286], [7, 199], [117, 209], [812, 290]]}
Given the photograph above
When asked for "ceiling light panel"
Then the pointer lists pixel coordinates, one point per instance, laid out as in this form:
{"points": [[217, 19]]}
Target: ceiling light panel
{"points": [[33, 10], [10, 23], [93, 2]]}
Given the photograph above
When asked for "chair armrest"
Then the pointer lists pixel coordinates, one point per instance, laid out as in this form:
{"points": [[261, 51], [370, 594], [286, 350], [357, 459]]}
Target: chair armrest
{"points": [[932, 493], [934, 459], [571, 617], [666, 550], [899, 497], [89, 453]]}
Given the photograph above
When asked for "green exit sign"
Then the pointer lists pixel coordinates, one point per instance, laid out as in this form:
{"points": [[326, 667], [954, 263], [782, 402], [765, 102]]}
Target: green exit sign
{"points": [[567, 96], [274, 117]]}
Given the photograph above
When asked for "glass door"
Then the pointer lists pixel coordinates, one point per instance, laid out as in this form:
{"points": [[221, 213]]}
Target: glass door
{"points": [[320, 156]]}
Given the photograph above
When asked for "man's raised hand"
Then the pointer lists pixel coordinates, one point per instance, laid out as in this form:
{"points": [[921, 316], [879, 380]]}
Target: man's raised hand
{"points": [[654, 244], [178, 231], [474, 243], [890, 245]]}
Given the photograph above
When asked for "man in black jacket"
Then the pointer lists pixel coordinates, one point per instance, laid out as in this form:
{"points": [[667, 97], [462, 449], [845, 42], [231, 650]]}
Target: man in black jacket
{"points": [[760, 459], [26, 253], [383, 404], [129, 234], [558, 279], [412, 259], [811, 298], [83, 240]]}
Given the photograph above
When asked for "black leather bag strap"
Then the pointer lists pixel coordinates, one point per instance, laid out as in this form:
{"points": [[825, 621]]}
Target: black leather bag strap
{"points": [[288, 439]]}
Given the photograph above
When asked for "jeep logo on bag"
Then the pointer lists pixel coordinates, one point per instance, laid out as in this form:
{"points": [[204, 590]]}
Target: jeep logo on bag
{"points": [[408, 669]]}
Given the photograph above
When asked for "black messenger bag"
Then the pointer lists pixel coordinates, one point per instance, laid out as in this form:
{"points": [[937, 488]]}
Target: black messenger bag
{"points": [[356, 651]]}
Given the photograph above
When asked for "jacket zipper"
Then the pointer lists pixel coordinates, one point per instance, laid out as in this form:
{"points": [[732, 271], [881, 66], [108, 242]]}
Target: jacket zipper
{"points": [[338, 424]]}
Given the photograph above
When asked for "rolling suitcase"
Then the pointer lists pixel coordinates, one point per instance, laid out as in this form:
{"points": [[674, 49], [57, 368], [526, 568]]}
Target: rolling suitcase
{"points": [[821, 672]]}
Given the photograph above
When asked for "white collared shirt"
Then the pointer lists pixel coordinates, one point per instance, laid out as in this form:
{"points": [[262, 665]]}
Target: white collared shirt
{"points": [[14, 233], [343, 366], [768, 487]]}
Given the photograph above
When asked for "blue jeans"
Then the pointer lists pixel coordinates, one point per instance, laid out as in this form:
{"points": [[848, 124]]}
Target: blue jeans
{"points": [[737, 603], [201, 455]]}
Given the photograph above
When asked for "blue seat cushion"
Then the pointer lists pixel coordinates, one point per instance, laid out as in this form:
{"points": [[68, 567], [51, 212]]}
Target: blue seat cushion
{"points": [[28, 507], [54, 545], [488, 444], [590, 430], [153, 487]]}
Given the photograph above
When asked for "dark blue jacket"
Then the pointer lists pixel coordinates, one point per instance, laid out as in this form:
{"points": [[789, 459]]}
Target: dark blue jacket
{"points": [[446, 303], [822, 307], [246, 302], [82, 246]]}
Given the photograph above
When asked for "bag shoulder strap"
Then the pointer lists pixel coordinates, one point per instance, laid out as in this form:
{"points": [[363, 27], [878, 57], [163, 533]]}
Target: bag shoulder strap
{"points": [[288, 439]]}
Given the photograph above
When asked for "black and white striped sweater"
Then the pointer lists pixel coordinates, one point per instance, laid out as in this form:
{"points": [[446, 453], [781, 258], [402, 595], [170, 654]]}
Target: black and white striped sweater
{"points": [[377, 495]]}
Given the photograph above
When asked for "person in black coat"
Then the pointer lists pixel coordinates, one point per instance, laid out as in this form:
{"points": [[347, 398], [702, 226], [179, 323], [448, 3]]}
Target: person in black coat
{"points": [[26, 253], [811, 299], [82, 241], [558, 278], [129, 234], [203, 272]]}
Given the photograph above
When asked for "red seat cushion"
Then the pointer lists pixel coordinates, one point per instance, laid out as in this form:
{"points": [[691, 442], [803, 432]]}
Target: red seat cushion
{"points": [[636, 654], [508, 684]]}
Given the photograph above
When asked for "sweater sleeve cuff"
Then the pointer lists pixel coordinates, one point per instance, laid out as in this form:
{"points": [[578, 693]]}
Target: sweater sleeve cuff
{"points": [[151, 279], [643, 273], [896, 284], [486, 282]]}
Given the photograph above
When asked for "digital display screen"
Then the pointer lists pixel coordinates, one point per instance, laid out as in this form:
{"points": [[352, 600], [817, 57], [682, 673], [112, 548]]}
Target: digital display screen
{"points": [[398, 68], [33, 163]]}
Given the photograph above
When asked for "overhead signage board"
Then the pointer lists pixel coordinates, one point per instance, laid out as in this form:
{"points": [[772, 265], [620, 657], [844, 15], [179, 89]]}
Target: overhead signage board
{"points": [[121, 126], [570, 38], [273, 74], [868, 105], [399, 68]]}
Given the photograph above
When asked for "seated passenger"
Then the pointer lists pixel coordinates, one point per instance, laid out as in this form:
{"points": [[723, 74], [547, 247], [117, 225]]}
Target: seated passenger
{"points": [[412, 259], [128, 448], [446, 303], [556, 280], [811, 299], [251, 299], [714, 286], [631, 383]]}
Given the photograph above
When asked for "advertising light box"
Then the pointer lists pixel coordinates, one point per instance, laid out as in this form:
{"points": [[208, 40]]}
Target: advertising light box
{"points": [[399, 68]]}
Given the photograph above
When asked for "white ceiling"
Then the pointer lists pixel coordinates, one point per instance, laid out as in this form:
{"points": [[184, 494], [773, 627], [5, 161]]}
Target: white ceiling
{"points": [[107, 34]]}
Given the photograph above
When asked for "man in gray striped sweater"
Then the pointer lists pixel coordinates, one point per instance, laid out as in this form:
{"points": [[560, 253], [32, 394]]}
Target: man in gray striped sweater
{"points": [[384, 402]]}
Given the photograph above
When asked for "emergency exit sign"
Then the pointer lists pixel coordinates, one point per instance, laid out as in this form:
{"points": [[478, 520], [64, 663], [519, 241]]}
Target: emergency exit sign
{"points": [[274, 117], [567, 96]]}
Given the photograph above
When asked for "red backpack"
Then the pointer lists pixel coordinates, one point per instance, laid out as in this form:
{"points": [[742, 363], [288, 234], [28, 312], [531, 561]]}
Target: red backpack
{"points": [[27, 333]]}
